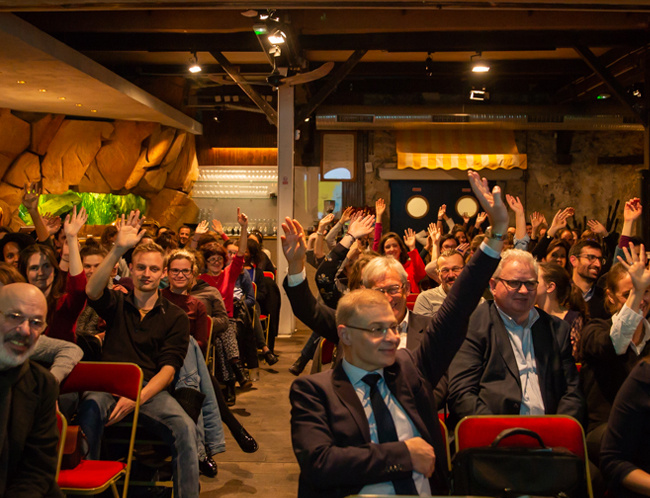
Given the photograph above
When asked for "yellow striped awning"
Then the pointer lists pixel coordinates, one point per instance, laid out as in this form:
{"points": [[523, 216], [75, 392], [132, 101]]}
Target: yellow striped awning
{"points": [[458, 149]]}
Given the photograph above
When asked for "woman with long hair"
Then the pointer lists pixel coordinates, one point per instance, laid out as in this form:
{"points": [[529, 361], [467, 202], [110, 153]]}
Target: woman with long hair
{"points": [[405, 252], [66, 297]]}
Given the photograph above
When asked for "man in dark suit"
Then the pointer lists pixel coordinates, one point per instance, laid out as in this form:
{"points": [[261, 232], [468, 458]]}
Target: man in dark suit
{"points": [[516, 358], [28, 433], [344, 441]]}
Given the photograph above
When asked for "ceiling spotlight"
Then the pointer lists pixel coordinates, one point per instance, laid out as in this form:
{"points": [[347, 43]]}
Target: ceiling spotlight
{"points": [[275, 51], [194, 64], [480, 95], [428, 66], [478, 64], [277, 37], [269, 15]]}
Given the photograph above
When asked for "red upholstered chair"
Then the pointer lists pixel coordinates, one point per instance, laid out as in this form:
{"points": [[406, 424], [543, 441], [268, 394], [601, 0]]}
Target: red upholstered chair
{"points": [[121, 379], [445, 438], [555, 431], [410, 301]]}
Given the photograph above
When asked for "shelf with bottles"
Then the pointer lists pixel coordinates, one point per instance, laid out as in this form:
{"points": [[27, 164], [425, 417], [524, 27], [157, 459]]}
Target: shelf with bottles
{"points": [[236, 182]]}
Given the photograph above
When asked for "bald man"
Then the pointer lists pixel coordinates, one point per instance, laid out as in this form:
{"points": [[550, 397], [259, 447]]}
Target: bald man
{"points": [[28, 392]]}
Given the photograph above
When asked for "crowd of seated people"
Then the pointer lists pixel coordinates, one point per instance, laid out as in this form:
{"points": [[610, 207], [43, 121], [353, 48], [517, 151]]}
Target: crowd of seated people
{"points": [[529, 304]]}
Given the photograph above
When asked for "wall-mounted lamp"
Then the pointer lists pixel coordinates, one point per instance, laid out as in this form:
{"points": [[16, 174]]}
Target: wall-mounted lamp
{"points": [[194, 64], [478, 64]]}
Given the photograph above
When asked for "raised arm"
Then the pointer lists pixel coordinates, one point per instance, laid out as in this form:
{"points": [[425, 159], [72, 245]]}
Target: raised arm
{"points": [[201, 229], [330, 238], [319, 247], [242, 219], [631, 212], [30, 201], [71, 226], [129, 233], [520, 216]]}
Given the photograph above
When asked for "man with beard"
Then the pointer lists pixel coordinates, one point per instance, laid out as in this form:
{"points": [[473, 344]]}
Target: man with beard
{"points": [[184, 235], [28, 432], [586, 257], [516, 359], [450, 264]]}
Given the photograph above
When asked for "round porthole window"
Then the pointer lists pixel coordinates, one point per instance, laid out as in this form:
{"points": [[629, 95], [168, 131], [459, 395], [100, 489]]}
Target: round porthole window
{"points": [[467, 206], [417, 207]]}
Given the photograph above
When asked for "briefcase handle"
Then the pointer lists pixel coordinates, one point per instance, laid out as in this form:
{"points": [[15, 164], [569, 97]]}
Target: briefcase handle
{"points": [[517, 431]]}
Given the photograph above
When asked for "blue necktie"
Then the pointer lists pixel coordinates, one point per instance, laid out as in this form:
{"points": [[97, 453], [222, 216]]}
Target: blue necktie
{"points": [[386, 431]]}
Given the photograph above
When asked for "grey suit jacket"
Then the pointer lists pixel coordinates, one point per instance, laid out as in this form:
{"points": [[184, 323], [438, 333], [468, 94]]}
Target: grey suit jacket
{"points": [[484, 377]]}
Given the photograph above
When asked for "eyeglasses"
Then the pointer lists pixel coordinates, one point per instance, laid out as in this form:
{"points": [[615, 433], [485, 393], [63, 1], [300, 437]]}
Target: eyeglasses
{"points": [[175, 272], [391, 290], [515, 285], [591, 258], [16, 320], [455, 269], [377, 331], [215, 260]]}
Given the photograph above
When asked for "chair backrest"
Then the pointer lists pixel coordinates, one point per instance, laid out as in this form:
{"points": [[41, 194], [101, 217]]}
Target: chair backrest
{"points": [[410, 300], [445, 438], [269, 274], [62, 427], [121, 379], [555, 431], [208, 350], [255, 289]]}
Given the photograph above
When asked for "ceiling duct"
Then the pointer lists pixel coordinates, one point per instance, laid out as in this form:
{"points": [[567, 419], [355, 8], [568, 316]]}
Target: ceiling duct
{"points": [[512, 118]]}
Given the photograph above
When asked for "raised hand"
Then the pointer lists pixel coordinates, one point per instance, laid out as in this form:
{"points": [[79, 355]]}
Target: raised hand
{"points": [[362, 226], [293, 245], [466, 218], [32, 194], [346, 214], [632, 209], [442, 212], [52, 223], [357, 215], [434, 233], [560, 220], [380, 208], [129, 231], [480, 218], [201, 228], [74, 221], [635, 264], [409, 238], [491, 202], [242, 219], [217, 227], [325, 220], [514, 203], [597, 227]]}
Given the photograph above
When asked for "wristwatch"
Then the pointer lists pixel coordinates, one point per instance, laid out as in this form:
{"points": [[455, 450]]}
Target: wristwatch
{"points": [[496, 236]]}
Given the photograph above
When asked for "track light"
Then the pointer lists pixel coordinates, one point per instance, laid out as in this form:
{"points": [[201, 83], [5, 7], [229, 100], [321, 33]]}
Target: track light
{"points": [[269, 15], [275, 51], [480, 95], [277, 37], [479, 65], [194, 64], [428, 66]]}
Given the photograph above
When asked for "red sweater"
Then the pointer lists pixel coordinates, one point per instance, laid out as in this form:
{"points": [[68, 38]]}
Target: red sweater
{"points": [[196, 312], [61, 320], [225, 281]]}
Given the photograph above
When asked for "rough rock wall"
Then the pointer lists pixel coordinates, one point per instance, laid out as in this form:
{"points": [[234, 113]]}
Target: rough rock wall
{"points": [[98, 156]]}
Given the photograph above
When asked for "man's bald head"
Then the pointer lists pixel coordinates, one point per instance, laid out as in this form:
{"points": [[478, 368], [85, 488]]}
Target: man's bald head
{"points": [[23, 314]]}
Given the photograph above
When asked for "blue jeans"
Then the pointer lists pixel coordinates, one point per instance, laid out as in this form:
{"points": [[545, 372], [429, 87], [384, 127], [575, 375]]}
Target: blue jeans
{"points": [[195, 375], [310, 346], [165, 417]]}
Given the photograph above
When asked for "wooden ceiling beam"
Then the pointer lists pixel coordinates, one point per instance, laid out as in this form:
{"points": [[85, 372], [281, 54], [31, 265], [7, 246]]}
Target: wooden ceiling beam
{"points": [[233, 72]]}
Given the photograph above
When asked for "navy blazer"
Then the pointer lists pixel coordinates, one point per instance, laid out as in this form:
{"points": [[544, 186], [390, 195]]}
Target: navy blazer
{"points": [[330, 432], [484, 377]]}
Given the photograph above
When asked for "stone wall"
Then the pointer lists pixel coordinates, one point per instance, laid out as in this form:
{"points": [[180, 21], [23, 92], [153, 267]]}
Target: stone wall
{"points": [[584, 184], [119, 157]]}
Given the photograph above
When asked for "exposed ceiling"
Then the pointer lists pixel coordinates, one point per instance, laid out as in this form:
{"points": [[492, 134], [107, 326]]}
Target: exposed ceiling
{"points": [[560, 53]]}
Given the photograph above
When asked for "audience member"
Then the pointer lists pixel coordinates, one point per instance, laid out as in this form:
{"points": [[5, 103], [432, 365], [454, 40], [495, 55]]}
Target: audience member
{"points": [[586, 257]]}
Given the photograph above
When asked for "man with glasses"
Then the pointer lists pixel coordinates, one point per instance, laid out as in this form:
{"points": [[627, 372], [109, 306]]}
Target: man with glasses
{"points": [[28, 432], [370, 425], [586, 257], [516, 359], [449, 265]]}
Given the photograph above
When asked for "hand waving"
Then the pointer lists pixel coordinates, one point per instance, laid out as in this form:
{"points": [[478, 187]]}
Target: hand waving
{"points": [[74, 221], [491, 202], [32, 194], [362, 226], [380, 208], [293, 245], [129, 230], [409, 238]]}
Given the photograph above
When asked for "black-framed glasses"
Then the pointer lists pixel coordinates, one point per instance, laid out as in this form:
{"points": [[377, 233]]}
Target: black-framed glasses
{"points": [[175, 272], [214, 260], [515, 285], [591, 258], [16, 320], [391, 290], [377, 331]]}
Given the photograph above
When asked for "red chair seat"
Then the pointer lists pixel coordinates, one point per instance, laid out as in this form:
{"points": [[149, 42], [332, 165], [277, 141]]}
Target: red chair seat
{"points": [[90, 474]]}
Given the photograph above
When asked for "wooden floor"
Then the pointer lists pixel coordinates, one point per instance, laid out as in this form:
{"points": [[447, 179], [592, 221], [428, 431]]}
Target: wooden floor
{"points": [[272, 471]]}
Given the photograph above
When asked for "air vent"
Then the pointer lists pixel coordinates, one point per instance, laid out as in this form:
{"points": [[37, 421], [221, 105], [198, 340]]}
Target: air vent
{"points": [[545, 118], [355, 118], [446, 118]]}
